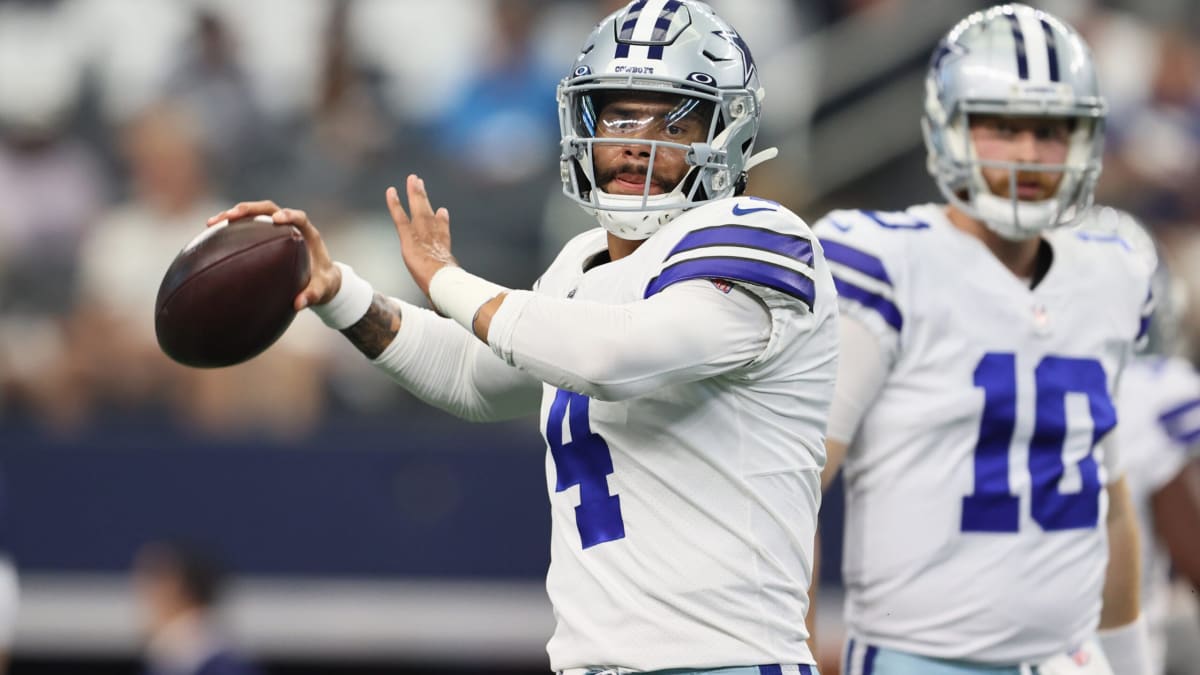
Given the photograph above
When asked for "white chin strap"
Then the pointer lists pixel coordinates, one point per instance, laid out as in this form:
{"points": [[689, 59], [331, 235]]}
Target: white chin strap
{"points": [[1016, 220], [760, 157]]}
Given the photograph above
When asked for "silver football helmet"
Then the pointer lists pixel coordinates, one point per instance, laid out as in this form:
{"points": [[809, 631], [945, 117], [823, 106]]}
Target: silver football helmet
{"points": [[1013, 60], [682, 50]]}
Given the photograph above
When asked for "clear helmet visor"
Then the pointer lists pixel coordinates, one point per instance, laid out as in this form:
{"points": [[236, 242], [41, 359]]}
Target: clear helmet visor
{"points": [[640, 143], [642, 115]]}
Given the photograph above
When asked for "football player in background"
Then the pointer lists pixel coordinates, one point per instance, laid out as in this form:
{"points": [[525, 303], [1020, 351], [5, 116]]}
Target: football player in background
{"points": [[1159, 443], [178, 590], [681, 355], [981, 345]]}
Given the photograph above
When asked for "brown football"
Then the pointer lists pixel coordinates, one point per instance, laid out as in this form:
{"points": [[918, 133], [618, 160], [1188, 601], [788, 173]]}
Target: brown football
{"points": [[228, 294]]}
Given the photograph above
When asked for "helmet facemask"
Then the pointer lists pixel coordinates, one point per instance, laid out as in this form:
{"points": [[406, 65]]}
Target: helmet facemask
{"points": [[959, 169], [711, 120]]}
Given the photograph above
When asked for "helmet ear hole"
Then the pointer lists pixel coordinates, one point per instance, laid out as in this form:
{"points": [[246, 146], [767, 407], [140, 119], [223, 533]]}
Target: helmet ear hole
{"points": [[720, 124], [689, 181], [739, 185], [581, 178]]}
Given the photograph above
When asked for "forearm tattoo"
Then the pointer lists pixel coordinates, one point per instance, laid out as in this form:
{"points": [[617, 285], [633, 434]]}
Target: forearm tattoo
{"points": [[378, 327]]}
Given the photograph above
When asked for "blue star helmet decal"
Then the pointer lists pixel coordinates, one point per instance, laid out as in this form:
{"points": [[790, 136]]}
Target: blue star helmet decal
{"points": [[736, 40]]}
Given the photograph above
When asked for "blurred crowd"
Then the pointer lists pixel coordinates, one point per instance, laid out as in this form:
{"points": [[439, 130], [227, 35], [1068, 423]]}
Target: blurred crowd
{"points": [[124, 124]]}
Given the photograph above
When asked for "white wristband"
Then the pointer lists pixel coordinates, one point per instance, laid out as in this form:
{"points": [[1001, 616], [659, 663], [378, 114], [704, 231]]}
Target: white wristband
{"points": [[350, 304], [1128, 647], [459, 294]]}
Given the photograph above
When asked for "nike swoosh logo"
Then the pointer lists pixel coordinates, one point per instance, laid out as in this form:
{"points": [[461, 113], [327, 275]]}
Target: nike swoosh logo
{"points": [[739, 211]]}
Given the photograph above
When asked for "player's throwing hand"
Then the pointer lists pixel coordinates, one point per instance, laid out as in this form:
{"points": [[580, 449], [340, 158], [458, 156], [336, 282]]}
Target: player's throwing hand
{"points": [[425, 236]]}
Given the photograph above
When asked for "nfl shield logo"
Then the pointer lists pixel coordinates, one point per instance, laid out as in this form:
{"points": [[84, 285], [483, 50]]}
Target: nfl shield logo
{"points": [[722, 285]]}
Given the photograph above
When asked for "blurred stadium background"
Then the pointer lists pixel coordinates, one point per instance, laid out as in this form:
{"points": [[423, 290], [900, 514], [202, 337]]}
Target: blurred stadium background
{"points": [[364, 531]]}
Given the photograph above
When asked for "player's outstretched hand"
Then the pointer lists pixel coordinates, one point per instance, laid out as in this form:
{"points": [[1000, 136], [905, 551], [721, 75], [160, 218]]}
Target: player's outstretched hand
{"points": [[325, 279], [425, 236]]}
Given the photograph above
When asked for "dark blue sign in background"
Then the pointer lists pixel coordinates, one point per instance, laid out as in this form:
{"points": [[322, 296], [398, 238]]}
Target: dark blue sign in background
{"points": [[348, 502]]}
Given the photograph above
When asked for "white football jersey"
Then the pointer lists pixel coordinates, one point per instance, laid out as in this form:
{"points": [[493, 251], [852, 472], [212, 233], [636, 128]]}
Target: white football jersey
{"points": [[974, 485], [1159, 405], [683, 520]]}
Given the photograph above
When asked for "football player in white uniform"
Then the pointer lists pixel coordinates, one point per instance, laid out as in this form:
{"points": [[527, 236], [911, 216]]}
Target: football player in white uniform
{"points": [[1158, 438], [981, 345], [682, 356]]}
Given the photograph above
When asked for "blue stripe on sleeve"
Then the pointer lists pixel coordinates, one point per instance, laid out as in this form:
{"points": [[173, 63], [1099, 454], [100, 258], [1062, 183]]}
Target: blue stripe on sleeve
{"points": [[806, 669], [770, 670], [884, 307], [1189, 438], [782, 279], [1173, 420], [856, 260], [796, 248], [915, 225], [1178, 411], [1104, 239], [869, 660]]}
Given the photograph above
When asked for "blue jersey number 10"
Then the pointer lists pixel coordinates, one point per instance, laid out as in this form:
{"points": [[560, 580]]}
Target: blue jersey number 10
{"points": [[584, 461], [993, 507]]}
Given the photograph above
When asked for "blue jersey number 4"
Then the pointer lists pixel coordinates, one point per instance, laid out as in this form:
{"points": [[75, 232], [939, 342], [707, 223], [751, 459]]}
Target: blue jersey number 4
{"points": [[992, 507], [584, 461]]}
